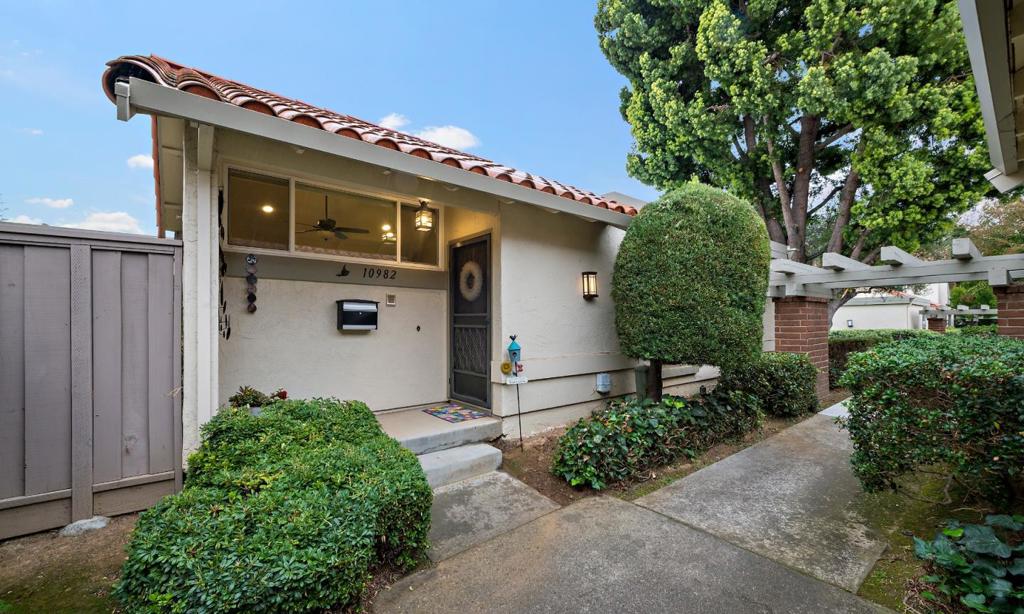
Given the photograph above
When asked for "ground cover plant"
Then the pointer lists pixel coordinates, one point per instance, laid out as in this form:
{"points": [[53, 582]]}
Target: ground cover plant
{"points": [[632, 436], [288, 511], [977, 567], [949, 404], [842, 343], [784, 382]]}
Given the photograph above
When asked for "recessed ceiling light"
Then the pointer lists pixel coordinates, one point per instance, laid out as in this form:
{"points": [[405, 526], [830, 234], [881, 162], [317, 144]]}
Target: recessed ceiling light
{"points": [[267, 208]]}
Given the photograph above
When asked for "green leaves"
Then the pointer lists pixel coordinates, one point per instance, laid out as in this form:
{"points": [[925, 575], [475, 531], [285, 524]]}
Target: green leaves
{"points": [[282, 512], [948, 403], [630, 437], [972, 565], [784, 382], [713, 85], [690, 280]]}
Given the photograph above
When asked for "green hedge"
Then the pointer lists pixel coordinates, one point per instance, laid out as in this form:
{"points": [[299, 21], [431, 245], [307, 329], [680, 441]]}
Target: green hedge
{"points": [[949, 403], [842, 343], [974, 329], [690, 279], [631, 437], [784, 382], [287, 511]]}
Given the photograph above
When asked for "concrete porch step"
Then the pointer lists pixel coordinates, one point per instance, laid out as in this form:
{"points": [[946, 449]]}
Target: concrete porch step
{"points": [[423, 433], [455, 464]]}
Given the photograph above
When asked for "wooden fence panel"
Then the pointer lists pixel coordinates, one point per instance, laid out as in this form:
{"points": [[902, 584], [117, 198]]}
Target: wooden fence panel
{"points": [[90, 370]]}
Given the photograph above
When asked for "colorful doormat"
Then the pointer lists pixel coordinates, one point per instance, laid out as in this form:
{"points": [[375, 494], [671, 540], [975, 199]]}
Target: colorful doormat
{"points": [[453, 412]]}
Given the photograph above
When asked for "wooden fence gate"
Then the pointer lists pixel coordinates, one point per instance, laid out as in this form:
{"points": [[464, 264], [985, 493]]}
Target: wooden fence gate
{"points": [[90, 374]]}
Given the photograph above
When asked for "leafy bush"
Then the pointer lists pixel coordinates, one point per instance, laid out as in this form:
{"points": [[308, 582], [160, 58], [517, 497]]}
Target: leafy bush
{"points": [[948, 403], [784, 382], [690, 279], [287, 511], [247, 396], [977, 566], [632, 436], [842, 343], [975, 329]]}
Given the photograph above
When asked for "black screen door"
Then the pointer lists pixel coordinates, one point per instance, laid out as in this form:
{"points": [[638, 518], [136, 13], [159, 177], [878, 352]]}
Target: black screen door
{"points": [[470, 308]]}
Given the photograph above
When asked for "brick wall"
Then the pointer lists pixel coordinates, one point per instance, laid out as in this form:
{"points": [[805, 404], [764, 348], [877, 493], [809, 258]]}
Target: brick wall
{"points": [[937, 324], [801, 325], [1010, 300]]}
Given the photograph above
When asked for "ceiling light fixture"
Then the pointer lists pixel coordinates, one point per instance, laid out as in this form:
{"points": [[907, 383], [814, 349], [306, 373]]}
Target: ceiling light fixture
{"points": [[267, 208]]}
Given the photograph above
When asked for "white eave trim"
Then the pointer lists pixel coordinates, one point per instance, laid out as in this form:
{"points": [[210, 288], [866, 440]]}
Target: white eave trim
{"points": [[140, 96], [984, 24]]}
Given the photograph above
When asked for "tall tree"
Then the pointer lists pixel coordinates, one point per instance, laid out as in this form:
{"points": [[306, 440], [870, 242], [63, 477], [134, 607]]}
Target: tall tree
{"points": [[848, 124]]}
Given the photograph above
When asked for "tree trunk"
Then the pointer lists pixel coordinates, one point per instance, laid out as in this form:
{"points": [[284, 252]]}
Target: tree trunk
{"points": [[654, 381]]}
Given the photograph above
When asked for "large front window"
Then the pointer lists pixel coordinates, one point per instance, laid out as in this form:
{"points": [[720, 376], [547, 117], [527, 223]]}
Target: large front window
{"points": [[328, 222], [343, 224]]}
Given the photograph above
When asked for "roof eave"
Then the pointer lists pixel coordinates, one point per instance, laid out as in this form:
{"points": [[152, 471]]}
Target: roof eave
{"points": [[985, 31], [140, 96]]}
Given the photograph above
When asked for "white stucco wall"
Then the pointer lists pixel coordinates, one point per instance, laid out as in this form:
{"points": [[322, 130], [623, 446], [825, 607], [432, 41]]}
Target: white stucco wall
{"points": [[292, 342], [897, 315], [566, 339]]}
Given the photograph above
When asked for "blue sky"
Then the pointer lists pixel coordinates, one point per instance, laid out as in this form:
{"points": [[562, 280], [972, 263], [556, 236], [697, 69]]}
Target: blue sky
{"points": [[524, 81]]}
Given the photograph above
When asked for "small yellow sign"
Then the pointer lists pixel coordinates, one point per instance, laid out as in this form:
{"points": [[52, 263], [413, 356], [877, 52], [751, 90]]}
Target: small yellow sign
{"points": [[506, 367]]}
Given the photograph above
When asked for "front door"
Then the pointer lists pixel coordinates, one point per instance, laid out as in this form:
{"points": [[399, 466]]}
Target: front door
{"points": [[470, 309]]}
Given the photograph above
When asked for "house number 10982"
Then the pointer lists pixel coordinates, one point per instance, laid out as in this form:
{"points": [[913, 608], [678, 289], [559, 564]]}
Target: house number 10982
{"points": [[378, 273]]}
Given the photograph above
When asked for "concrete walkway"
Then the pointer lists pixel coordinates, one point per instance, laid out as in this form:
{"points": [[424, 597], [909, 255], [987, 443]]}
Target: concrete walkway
{"points": [[773, 528], [606, 555], [792, 498]]}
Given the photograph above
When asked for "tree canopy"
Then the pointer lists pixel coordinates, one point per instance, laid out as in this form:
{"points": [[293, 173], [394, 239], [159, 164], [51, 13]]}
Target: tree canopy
{"points": [[690, 281], [848, 124]]}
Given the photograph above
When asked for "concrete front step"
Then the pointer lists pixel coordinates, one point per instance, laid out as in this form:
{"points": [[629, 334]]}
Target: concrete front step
{"points": [[423, 433], [454, 464]]}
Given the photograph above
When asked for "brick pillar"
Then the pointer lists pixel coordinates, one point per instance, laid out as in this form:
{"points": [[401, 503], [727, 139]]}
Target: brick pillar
{"points": [[937, 324], [1010, 301], [801, 325]]}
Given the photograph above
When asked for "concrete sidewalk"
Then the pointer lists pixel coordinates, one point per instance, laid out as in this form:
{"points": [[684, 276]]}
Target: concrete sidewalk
{"points": [[792, 498], [607, 555]]}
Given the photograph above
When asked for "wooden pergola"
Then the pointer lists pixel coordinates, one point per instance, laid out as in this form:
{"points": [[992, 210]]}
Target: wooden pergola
{"points": [[801, 292], [897, 268]]}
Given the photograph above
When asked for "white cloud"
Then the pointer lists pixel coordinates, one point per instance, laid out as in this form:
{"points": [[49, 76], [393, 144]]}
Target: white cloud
{"points": [[24, 219], [55, 203], [112, 221], [449, 136], [140, 161], [393, 121], [32, 131]]}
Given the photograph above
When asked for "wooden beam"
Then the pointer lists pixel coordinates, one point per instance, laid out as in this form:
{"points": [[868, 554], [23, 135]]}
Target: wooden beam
{"points": [[999, 277], [897, 257], [964, 249], [791, 267], [838, 262], [779, 250]]}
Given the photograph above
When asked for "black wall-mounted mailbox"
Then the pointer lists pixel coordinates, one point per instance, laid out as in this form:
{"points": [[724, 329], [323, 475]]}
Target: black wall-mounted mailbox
{"points": [[357, 315]]}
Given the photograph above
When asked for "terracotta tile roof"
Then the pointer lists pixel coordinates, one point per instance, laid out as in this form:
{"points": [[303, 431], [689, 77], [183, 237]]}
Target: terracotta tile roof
{"points": [[170, 74]]}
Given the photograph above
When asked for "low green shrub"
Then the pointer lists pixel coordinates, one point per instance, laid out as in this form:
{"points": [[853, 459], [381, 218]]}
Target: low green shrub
{"points": [[975, 329], [842, 343], [288, 511], [247, 396], [948, 403], [631, 436], [980, 567], [784, 382]]}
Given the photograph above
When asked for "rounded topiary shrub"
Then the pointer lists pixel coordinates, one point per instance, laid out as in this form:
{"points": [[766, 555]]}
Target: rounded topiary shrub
{"points": [[288, 511], [783, 381], [690, 279]]}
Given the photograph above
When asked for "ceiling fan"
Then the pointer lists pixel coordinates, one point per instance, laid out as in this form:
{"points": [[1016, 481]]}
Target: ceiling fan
{"points": [[327, 224]]}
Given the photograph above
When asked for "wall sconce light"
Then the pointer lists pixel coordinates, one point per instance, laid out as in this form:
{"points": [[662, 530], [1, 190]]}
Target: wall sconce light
{"points": [[589, 284], [424, 219]]}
